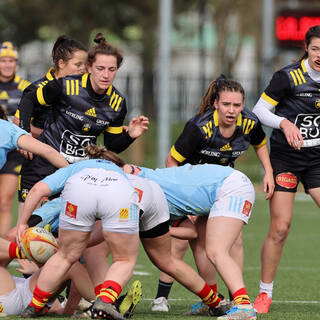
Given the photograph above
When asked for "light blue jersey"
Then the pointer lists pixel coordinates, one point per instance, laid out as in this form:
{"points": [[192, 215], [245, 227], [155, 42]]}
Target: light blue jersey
{"points": [[189, 189], [9, 135], [57, 180]]}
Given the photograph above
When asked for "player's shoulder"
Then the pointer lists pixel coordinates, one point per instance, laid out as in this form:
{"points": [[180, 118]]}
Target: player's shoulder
{"points": [[248, 114]]}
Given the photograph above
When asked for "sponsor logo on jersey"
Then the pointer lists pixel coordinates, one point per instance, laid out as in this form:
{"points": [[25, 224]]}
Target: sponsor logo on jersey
{"points": [[100, 122], [317, 103], [91, 112], [309, 126], [74, 115], [86, 127], [304, 94], [287, 180], [237, 153], [247, 208], [124, 214], [71, 210], [211, 153], [226, 147]]}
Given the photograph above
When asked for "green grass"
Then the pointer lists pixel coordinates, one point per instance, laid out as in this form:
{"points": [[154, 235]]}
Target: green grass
{"points": [[297, 278]]}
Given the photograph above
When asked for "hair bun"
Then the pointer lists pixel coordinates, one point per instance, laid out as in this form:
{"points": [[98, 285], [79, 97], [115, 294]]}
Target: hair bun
{"points": [[99, 38]]}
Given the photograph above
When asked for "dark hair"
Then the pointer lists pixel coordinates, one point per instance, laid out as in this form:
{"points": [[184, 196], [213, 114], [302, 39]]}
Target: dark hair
{"points": [[313, 32], [97, 152], [3, 114], [215, 88], [103, 47], [64, 48]]}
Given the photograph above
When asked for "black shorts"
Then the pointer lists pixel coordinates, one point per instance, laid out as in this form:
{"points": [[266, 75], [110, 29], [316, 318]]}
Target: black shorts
{"points": [[14, 162], [33, 171], [155, 232], [292, 166]]}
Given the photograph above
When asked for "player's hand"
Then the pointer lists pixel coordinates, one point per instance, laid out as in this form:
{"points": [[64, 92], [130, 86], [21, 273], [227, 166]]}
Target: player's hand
{"points": [[292, 133], [20, 229], [138, 126], [27, 267], [26, 154], [268, 185]]}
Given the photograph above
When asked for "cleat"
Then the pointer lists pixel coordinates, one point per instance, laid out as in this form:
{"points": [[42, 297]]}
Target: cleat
{"points": [[198, 309], [84, 314], [262, 303], [160, 304], [31, 312], [131, 299], [103, 310], [240, 312], [221, 309]]}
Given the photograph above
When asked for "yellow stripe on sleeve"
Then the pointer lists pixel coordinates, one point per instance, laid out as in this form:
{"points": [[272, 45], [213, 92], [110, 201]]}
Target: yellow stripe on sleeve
{"points": [[264, 141], [265, 97], [40, 96], [294, 78], [175, 154], [302, 76], [114, 130]]}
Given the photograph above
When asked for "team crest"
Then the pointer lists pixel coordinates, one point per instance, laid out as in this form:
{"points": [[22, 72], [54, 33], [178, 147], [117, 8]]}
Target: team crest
{"points": [[71, 210], [124, 214], [317, 103], [86, 127], [24, 193], [287, 180]]}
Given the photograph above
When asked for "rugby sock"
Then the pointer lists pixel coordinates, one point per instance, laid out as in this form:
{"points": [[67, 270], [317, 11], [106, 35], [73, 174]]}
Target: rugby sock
{"points": [[97, 289], [267, 288], [110, 291], [214, 287], [208, 296], [241, 297], [164, 289], [39, 299], [15, 251]]}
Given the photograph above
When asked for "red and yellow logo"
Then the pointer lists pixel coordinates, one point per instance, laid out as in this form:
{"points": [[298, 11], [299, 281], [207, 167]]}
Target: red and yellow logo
{"points": [[124, 214], [247, 208], [71, 210], [287, 180]]}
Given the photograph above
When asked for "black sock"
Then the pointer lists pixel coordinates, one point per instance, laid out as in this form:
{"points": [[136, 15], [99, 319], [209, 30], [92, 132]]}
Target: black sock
{"points": [[164, 289], [230, 296]]}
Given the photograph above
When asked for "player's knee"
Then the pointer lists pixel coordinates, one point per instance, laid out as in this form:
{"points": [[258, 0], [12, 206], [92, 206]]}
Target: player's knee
{"points": [[280, 233], [214, 255]]}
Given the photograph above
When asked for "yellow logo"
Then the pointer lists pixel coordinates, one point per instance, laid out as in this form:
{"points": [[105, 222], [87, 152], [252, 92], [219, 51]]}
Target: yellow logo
{"points": [[124, 214], [1, 308], [226, 147], [91, 112], [4, 95]]}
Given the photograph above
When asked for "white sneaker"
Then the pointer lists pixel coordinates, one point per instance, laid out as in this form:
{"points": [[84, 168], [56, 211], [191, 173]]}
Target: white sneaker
{"points": [[160, 304]]}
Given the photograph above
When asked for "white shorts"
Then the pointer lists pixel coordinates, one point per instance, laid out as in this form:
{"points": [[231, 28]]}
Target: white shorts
{"points": [[93, 194], [235, 198], [16, 301], [153, 203]]}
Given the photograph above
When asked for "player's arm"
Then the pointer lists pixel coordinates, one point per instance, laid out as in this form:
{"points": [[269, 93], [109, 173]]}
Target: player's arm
{"points": [[186, 144], [259, 142], [42, 96]]}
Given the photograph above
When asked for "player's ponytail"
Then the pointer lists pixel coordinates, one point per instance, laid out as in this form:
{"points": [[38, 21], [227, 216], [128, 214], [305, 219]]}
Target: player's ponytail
{"points": [[104, 47], [98, 152]]}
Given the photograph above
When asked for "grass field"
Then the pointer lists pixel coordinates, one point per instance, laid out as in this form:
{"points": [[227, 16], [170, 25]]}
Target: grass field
{"points": [[296, 292]]}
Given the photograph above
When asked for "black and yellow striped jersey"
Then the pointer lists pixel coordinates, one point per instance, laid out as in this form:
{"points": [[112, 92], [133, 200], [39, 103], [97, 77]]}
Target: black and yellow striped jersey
{"points": [[295, 96], [11, 93], [79, 115], [202, 142], [40, 114]]}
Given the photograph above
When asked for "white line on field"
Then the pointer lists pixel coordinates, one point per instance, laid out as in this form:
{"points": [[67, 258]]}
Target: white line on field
{"points": [[273, 301]]}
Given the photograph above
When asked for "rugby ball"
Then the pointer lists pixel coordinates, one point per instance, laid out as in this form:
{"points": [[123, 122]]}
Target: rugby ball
{"points": [[38, 244]]}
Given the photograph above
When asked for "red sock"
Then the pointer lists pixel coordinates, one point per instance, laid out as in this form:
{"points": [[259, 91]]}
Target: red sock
{"points": [[97, 289], [15, 251], [241, 297], [110, 291], [40, 298], [208, 296], [214, 288]]}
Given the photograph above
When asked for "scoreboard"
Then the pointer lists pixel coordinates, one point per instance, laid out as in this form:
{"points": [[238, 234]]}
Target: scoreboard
{"points": [[292, 25]]}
